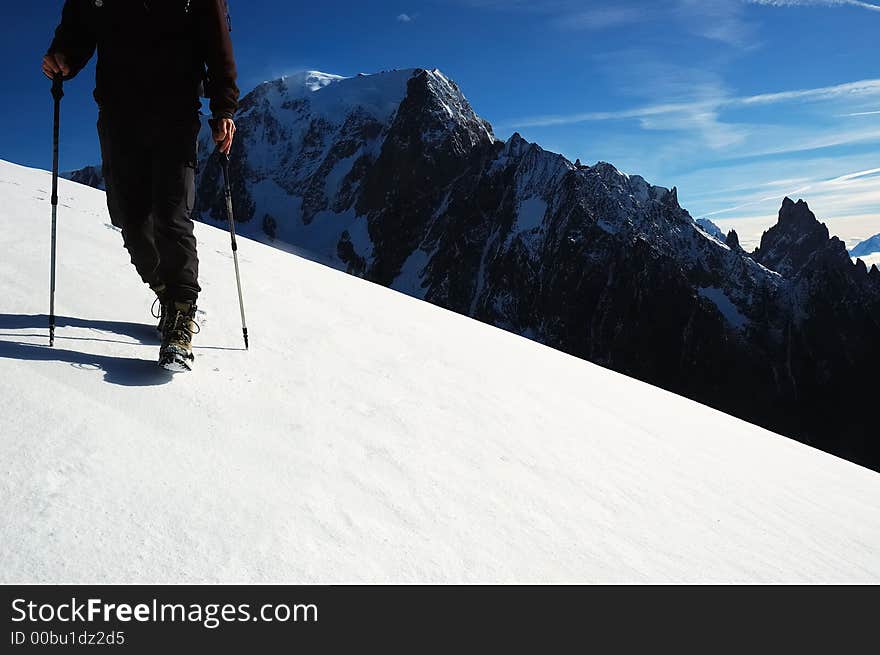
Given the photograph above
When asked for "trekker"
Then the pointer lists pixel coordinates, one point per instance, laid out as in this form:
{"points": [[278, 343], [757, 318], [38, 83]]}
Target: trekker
{"points": [[153, 57]]}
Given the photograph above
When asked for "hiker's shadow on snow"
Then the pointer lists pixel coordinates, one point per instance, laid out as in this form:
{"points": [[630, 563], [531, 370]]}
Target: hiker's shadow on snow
{"points": [[144, 334], [124, 371]]}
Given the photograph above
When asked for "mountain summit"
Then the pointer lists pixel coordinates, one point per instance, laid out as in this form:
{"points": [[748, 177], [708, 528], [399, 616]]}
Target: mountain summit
{"points": [[394, 178], [317, 147], [799, 240]]}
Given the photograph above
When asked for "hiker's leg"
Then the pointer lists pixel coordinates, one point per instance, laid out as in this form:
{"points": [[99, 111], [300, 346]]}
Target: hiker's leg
{"points": [[127, 171], [173, 176]]}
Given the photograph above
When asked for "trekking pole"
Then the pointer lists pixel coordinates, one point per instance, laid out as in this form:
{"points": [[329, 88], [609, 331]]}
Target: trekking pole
{"points": [[57, 94], [224, 163]]}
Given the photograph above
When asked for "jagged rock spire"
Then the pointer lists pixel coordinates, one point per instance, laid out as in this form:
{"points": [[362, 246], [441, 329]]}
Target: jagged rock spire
{"points": [[798, 241]]}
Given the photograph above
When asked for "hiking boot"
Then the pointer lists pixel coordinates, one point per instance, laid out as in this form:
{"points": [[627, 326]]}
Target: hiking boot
{"points": [[159, 308], [179, 327]]}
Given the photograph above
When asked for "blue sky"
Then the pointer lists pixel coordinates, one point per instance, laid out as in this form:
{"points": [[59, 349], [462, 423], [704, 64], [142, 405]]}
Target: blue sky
{"points": [[736, 102]]}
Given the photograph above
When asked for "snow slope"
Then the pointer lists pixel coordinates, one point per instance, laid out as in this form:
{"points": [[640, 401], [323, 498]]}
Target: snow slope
{"points": [[367, 436]]}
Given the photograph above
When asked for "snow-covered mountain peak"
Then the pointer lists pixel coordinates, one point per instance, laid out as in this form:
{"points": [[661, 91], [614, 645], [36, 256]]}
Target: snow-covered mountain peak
{"points": [[634, 186], [307, 141], [868, 251], [869, 246], [456, 107], [536, 170], [516, 146], [379, 95], [711, 228], [331, 97], [309, 81]]}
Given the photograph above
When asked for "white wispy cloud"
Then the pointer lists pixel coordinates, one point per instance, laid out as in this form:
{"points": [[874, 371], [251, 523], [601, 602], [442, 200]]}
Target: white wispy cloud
{"points": [[863, 183], [853, 176], [725, 21], [859, 89], [816, 3], [405, 18], [574, 14], [740, 189], [717, 20], [600, 18], [822, 141]]}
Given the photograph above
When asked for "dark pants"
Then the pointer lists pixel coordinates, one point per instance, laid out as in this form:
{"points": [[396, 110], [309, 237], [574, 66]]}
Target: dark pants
{"points": [[149, 171]]}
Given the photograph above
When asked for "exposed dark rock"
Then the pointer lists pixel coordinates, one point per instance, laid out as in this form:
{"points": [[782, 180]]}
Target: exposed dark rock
{"points": [[798, 241], [270, 226], [732, 240], [354, 263], [90, 176]]}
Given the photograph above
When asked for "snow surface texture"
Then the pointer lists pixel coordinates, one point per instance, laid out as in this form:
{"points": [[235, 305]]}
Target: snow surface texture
{"points": [[366, 437]]}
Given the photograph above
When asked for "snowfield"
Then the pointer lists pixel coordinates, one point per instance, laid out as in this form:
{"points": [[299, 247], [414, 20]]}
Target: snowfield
{"points": [[366, 437]]}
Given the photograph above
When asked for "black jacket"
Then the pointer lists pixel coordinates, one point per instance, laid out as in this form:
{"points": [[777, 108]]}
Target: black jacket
{"points": [[152, 54]]}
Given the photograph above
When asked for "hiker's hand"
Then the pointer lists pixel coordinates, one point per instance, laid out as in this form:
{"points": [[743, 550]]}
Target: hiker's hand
{"points": [[54, 64], [224, 131]]}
